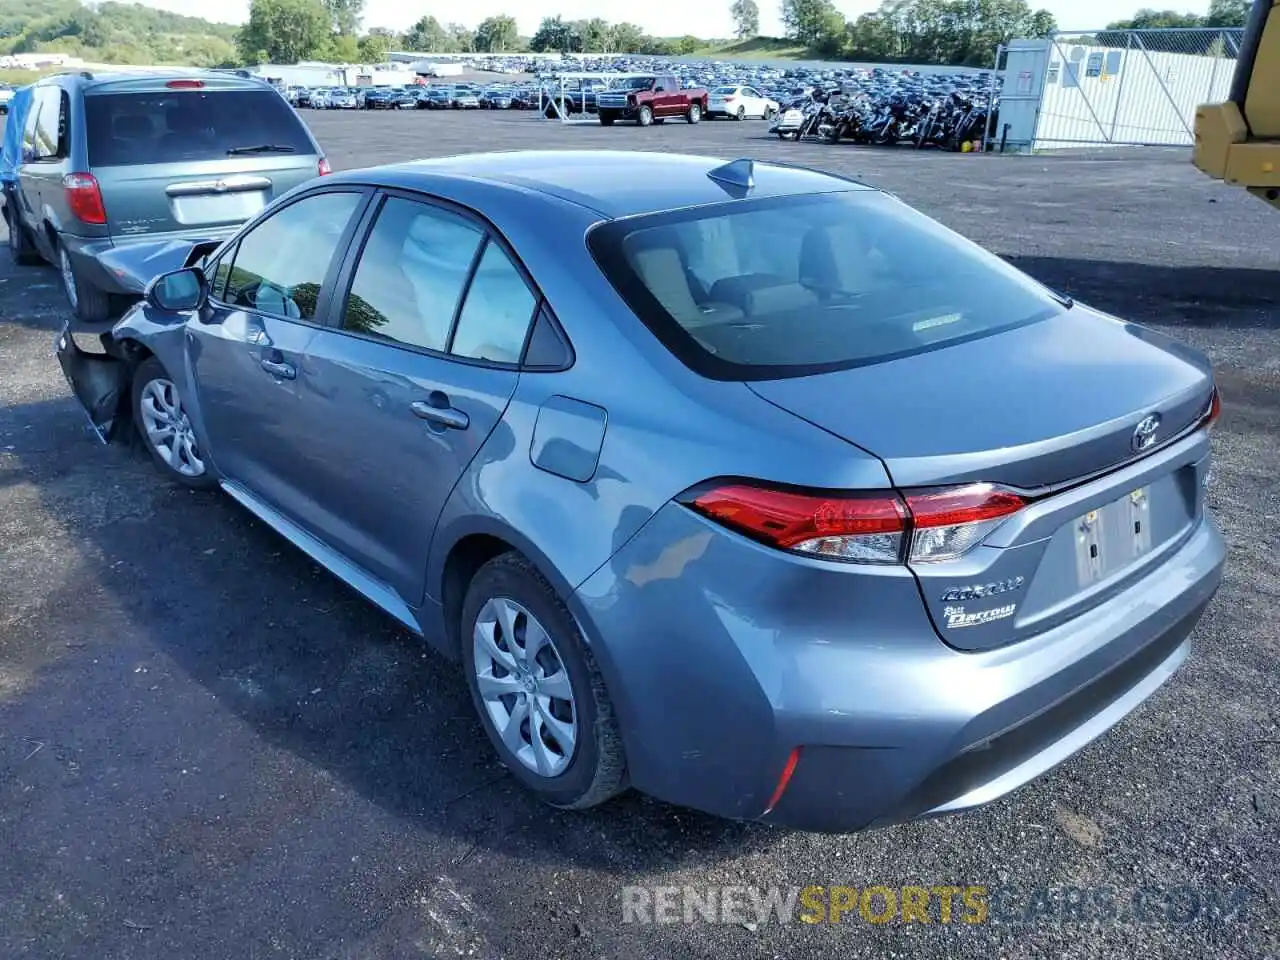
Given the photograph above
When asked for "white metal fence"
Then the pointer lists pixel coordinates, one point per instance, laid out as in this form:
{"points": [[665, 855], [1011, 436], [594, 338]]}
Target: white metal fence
{"points": [[1139, 87]]}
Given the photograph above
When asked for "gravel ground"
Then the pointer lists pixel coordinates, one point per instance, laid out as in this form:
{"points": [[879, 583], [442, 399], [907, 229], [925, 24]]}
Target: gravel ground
{"points": [[209, 748]]}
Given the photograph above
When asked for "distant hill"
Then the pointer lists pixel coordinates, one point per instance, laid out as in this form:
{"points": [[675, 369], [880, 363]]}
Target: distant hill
{"points": [[113, 33]]}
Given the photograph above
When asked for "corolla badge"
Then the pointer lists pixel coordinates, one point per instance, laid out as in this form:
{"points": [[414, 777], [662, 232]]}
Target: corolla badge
{"points": [[980, 590], [1144, 434]]}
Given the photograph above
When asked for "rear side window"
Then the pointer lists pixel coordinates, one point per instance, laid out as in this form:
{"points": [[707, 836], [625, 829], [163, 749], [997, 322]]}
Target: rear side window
{"points": [[46, 132], [790, 286], [495, 317], [126, 129]]}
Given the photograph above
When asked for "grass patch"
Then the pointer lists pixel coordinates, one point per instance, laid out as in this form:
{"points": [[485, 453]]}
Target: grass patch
{"points": [[20, 78], [776, 48]]}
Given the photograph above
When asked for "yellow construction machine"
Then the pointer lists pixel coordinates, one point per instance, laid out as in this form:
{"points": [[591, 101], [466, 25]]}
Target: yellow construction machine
{"points": [[1239, 141]]}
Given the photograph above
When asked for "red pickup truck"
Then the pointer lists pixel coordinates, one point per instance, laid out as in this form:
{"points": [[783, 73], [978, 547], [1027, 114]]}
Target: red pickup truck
{"points": [[650, 99]]}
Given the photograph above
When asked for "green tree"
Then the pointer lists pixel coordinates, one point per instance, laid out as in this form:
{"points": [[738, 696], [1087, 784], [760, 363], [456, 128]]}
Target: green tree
{"points": [[1147, 19], [1228, 13], [597, 36], [338, 48], [373, 48], [497, 34], [285, 30], [461, 39], [686, 45], [345, 14], [746, 18], [426, 35], [628, 38], [815, 23], [556, 36]]}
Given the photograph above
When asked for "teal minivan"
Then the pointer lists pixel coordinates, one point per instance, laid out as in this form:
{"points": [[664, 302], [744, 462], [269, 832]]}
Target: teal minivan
{"points": [[123, 174]]}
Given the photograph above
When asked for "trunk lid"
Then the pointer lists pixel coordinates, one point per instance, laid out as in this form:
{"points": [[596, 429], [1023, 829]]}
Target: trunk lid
{"points": [[1076, 411]]}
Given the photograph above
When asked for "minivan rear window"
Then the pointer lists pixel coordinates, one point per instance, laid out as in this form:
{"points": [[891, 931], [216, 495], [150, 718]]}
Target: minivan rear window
{"points": [[792, 286], [125, 129]]}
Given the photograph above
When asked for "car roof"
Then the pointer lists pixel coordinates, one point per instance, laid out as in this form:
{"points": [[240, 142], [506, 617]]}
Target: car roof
{"points": [[614, 183], [142, 80]]}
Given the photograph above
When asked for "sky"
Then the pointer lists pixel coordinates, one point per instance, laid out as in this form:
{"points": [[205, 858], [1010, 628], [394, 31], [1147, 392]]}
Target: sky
{"points": [[658, 17]]}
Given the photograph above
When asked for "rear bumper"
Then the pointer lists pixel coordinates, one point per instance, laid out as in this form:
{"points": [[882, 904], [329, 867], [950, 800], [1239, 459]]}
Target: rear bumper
{"points": [[125, 265], [723, 658]]}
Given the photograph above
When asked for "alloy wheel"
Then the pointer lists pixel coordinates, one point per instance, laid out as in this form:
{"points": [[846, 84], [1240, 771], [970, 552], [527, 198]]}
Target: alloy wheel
{"points": [[525, 687], [168, 428]]}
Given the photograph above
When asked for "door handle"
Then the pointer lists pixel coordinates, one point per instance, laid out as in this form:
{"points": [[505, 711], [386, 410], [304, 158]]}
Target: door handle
{"points": [[445, 416], [279, 368]]}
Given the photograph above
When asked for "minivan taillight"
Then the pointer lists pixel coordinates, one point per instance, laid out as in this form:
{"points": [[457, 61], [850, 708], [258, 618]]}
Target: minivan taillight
{"points": [[84, 197], [323, 168], [871, 527]]}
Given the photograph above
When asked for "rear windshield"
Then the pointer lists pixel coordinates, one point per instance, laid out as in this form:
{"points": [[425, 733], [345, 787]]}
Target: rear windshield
{"points": [[789, 286], [174, 126]]}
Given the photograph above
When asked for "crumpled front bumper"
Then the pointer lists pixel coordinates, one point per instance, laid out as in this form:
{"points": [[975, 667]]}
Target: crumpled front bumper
{"points": [[99, 381]]}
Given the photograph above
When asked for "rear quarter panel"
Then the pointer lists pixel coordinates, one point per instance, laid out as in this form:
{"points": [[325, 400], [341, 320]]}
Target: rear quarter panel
{"points": [[665, 428]]}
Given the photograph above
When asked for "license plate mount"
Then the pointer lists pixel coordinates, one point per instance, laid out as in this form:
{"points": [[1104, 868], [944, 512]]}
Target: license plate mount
{"points": [[1113, 536]]}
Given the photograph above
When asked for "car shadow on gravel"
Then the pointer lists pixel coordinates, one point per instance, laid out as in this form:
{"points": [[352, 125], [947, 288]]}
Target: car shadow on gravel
{"points": [[193, 580], [1144, 293]]}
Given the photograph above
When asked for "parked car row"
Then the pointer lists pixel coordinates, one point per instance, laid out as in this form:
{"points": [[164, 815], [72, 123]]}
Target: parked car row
{"points": [[418, 97]]}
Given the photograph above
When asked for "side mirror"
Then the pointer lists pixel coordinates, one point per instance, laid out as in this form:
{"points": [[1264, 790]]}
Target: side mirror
{"points": [[659, 89], [180, 290]]}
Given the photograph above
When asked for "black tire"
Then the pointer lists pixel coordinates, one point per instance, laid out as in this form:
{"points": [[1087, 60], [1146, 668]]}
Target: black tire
{"points": [[607, 118], [645, 117], [741, 114], [597, 770], [659, 121], [149, 370], [90, 304], [695, 113], [21, 250], [770, 114]]}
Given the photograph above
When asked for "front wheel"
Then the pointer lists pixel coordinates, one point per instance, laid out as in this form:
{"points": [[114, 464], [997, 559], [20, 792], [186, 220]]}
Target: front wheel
{"points": [[607, 118], [695, 113], [536, 686], [165, 427], [646, 116]]}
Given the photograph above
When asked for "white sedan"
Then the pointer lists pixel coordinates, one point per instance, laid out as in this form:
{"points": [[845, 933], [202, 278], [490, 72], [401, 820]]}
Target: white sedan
{"points": [[741, 102]]}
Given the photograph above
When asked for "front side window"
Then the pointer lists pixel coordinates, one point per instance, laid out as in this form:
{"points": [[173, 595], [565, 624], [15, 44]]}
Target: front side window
{"points": [[411, 275], [280, 264], [787, 286]]}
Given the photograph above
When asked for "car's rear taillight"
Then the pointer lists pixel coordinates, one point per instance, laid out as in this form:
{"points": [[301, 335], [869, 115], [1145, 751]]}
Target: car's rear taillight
{"points": [[185, 84], [866, 528], [946, 524], [1212, 411], [323, 168], [870, 527], [84, 197]]}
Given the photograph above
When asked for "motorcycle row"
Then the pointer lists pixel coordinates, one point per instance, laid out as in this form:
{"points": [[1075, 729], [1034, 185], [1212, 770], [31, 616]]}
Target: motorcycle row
{"points": [[953, 121]]}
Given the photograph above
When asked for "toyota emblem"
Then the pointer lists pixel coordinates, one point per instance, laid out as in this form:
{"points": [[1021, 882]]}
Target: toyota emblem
{"points": [[1144, 434]]}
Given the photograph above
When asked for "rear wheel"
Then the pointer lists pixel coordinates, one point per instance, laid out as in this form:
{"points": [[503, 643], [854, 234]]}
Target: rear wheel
{"points": [[695, 113], [21, 250], [770, 113], [165, 428], [89, 303], [536, 686], [741, 114], [646, 116]]}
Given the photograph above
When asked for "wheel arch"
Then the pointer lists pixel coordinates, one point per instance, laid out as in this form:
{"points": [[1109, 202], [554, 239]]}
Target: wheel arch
{"points": [[457, 555]]}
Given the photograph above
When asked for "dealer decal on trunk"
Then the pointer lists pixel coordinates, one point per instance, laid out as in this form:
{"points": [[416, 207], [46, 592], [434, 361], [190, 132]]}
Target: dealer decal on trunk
{"points": [[957, 617]]}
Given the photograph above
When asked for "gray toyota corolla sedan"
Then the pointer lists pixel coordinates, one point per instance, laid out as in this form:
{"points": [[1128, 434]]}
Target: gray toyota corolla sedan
{"points": [[742, 484]]}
